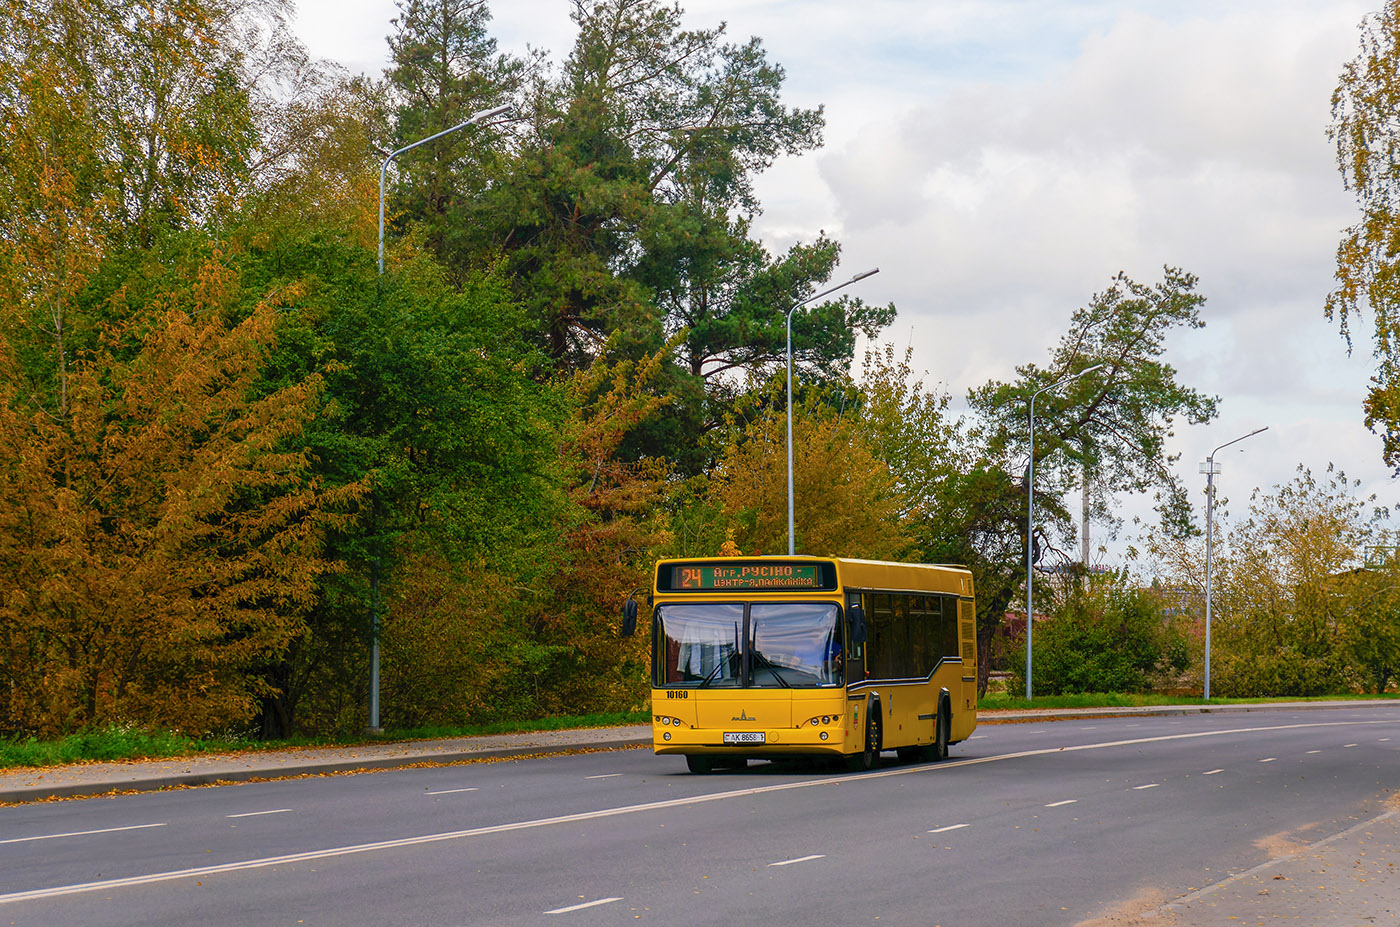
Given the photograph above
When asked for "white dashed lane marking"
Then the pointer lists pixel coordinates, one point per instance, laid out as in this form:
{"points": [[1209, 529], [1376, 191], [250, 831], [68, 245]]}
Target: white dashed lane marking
{"points": [[1067, 801], [944, 830], [1268, 759], [253, 814], [607, 776], [800, 859], [580, 907], [450, 791], [1150, 785], [80, 833], [1212, 772]]}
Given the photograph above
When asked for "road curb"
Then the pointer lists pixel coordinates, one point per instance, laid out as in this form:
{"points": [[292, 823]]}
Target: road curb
{"points": [[22, 794]]}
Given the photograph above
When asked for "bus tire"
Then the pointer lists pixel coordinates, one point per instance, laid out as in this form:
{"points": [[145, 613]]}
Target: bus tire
{"points": [[869, 758], [699, 765], [939, 749]]}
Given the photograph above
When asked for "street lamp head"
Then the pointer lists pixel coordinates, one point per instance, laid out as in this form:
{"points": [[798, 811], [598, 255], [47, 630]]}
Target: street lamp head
{"points": [[865, 273]]}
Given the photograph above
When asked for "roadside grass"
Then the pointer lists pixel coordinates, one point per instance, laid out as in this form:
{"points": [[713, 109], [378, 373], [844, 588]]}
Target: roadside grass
{"points": [[122, 742], [1001, 700]]}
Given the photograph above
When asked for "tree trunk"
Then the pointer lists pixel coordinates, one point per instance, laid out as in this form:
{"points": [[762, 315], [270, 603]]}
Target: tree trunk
{"points": [[1084, 534]]}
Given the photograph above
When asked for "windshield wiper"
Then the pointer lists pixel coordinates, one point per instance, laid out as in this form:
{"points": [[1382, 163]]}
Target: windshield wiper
{"points": [[757, 655], [710, 678]]}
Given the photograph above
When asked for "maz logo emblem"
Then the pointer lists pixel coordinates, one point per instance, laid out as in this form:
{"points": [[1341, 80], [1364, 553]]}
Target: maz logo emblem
{"points": [[742, 716]]}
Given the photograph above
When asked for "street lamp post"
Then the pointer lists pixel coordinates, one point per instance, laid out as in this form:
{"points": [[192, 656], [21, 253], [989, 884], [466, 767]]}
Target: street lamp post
{"points": [[374, 605], [792, 544], [383, 170], [1210, 468], [1030, 519]]}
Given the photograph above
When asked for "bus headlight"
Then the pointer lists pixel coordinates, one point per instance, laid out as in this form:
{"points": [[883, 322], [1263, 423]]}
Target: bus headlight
{"points": [[664, 720], [826, 719], [666, 735], [676, 722], [823, 735]]}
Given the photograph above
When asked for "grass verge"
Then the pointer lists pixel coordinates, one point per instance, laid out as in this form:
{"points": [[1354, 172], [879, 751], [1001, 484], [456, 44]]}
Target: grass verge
{"points": [[993, 701], [119, 742]]}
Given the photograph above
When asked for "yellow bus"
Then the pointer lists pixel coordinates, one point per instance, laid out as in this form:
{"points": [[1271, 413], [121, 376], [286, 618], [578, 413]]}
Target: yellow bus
{"points": [[763, 657]]}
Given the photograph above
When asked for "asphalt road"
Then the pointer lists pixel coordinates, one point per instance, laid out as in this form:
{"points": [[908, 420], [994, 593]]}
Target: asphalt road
{"points": [[1028, 824]]}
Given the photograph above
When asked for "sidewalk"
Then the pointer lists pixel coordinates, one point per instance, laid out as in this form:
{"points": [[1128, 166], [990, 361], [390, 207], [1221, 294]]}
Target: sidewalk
{"points": [[84, 779], [1344, 880]]}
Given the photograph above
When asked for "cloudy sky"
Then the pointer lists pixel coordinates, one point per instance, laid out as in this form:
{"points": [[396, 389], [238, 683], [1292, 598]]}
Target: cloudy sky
{"points": [[1001, 160]]}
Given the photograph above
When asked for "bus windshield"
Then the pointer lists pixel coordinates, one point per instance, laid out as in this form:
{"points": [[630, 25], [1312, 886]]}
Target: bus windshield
{"points": [[789, 645]]}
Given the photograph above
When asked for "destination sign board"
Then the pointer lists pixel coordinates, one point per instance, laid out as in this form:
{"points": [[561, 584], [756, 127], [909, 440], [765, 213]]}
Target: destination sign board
{"points": [[746, 576]]}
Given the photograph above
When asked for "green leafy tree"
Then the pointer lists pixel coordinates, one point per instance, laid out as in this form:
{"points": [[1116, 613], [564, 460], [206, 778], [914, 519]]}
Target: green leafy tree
{"points": [[1364, 108], [1107, 430], [1370, 621], [433, 403], [444, 67]]}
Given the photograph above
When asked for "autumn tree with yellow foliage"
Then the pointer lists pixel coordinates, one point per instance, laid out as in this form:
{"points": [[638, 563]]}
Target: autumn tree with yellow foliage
{"points": [[162, 537]]}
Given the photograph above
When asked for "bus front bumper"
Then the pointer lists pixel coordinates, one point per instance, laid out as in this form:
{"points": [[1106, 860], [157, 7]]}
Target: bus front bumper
{"points": [[806, 740]]}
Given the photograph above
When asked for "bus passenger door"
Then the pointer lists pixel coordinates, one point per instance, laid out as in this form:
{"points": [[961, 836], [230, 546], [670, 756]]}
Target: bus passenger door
{"points": [[856, 631]]}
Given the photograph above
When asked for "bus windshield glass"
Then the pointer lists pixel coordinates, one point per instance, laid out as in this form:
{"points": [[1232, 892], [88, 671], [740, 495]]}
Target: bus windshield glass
{"points": [[788, 645], [700, 644], [796, 644]]}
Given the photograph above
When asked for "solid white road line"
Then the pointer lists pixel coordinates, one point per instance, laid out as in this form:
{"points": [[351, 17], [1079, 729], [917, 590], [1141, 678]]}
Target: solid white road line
{"points": [[253, 814], [1268, 759], [1272, 865], [608, 776], [1212, 772], [80, 833], [1150, 785], [944, 830], [1057, 804], [922, 769], [800, 859], [580, 907], [450, 791], [1348, 745]]}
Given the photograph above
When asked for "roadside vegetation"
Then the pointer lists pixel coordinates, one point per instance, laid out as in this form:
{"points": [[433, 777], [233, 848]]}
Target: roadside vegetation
{"points": [[120, 743]]}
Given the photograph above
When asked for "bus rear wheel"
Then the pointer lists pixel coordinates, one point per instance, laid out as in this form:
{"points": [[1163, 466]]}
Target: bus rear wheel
{"points": [[939, 749]]}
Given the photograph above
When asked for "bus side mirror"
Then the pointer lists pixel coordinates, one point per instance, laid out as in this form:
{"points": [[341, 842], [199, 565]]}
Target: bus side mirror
{"points": [[629, 617], [857, 618]]}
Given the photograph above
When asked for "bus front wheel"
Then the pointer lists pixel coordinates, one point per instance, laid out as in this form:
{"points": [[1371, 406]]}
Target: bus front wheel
{"points": [[699, 765], [869, 758]]}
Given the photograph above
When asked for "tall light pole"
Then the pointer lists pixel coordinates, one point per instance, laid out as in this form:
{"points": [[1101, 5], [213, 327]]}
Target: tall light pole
{"points": [[792, 544], [383, 170], [1209, 468], [374, 604], [1030, 519]]}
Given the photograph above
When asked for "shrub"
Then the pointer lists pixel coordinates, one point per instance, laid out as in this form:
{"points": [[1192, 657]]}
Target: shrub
{"points": [[1104, 636]]}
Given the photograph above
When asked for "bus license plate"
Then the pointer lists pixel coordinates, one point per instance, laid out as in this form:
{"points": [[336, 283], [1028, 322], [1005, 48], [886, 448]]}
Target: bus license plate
{"points": [[744, 737]]}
